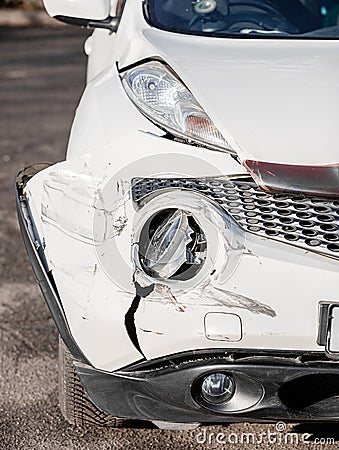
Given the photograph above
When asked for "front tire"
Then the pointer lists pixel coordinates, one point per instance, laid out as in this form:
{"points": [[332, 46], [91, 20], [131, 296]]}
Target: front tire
{"points": [[75, 405]]}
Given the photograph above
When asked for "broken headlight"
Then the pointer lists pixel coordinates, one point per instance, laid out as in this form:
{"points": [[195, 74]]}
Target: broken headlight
{"points": [[172, 246], [164, 99]]}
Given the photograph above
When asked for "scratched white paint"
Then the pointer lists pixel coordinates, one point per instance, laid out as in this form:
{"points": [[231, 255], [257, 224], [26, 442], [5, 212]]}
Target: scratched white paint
{"points": [[273, 287]]}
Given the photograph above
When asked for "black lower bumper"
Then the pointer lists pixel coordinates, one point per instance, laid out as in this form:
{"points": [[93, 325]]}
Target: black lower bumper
{"points": [[264, 392]]}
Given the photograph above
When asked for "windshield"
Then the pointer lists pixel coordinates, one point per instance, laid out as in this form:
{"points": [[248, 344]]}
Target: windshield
{"points": [[316, 19]]}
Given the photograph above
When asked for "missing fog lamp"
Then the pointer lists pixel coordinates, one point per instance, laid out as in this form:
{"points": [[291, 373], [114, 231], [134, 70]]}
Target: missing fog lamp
{"points": [[299, 179], [172, 245], [165, 100]]}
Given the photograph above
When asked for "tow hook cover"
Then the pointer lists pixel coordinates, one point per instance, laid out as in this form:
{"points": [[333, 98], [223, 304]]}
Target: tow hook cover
{"points": [[333, 341]]}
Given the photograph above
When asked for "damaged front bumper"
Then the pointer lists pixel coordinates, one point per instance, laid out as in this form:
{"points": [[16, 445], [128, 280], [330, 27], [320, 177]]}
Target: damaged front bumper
{"points": [[267, 288], [267, 388]]}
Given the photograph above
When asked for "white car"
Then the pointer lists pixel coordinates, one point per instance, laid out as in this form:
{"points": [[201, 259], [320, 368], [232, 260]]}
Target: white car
{"points": [[188, 246]]}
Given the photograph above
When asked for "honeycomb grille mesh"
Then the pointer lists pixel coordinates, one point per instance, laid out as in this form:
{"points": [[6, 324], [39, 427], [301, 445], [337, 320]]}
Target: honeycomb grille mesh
{"points": [[308, 222]]}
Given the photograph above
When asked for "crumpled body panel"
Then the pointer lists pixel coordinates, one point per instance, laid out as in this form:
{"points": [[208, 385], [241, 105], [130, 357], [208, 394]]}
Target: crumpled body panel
{"points": [[118, 314]]}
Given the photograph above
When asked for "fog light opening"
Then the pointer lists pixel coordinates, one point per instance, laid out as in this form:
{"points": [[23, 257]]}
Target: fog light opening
{"points": [[217, 388], [172, 245]]}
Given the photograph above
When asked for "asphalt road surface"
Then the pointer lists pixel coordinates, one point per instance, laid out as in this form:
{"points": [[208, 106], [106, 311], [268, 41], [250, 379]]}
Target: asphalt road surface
{"points": [[42, 74]]}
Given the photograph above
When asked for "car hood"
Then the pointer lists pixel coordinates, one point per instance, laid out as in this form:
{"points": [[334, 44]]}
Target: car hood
{"points": [[277, 99]]}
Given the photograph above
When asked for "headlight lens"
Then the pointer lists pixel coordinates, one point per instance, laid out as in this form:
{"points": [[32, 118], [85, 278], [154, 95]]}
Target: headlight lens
{"points": [[162, 97]]}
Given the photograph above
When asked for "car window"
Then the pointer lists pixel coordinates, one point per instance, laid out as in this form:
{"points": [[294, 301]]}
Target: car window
{"points": [[247, 18]]}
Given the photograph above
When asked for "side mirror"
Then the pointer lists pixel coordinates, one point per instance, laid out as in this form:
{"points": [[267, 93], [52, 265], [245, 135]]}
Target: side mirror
{"points": [[85, 13]]}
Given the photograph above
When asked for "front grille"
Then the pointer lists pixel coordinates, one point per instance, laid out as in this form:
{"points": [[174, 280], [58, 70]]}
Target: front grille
{"points": [[303, 221]]}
